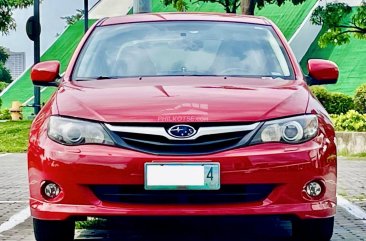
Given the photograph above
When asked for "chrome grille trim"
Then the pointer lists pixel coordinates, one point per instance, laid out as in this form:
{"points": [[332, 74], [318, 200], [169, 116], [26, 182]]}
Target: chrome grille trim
{"points": [[202, 131]]}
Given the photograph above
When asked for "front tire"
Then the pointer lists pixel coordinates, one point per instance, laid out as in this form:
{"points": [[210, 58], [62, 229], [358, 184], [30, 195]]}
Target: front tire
{"points": [[54, 230], [313, 229]]}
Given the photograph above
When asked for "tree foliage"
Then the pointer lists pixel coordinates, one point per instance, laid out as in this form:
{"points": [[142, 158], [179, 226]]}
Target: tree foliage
{"points": [[3, 85], [7, 8], [180, 5], [7, 23], [4, 55], [4, 72], [70, 20], [340, 22], [231, 6]]}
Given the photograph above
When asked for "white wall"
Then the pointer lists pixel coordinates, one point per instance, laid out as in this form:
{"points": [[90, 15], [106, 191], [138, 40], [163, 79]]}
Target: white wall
{"points": [[305, 35], [110, 8]]}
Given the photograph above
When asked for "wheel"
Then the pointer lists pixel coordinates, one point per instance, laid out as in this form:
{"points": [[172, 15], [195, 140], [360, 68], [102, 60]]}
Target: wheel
{"points": [[54, 230], [313, 229]]}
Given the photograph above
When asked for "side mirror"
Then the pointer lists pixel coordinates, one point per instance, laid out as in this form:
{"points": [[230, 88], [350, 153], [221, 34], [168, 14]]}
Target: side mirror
{"points": [[322, 72], [46, 73]]}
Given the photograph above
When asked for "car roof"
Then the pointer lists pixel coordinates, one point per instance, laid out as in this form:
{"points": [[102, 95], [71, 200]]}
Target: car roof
{"points": [[159, 17]]}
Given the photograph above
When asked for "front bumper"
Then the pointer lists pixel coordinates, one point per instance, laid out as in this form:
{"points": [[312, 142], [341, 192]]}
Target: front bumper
{"points": [[288, 167]]}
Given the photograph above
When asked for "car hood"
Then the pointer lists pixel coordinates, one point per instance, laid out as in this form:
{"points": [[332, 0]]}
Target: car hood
{"points": [[182, 99]]}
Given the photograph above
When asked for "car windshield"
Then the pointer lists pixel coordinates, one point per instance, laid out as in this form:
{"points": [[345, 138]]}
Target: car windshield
{"points": [[183, 48]]}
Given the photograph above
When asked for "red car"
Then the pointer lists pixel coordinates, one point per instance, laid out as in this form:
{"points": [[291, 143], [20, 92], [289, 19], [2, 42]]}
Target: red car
{"points": [[183, 115]]}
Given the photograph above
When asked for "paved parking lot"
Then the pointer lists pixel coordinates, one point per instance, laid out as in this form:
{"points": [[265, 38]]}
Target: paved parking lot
{"points": [[352, 181], [13, 195]]}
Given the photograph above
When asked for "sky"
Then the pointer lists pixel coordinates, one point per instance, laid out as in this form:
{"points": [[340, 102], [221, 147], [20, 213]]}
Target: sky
{"points": [[52, 24]]}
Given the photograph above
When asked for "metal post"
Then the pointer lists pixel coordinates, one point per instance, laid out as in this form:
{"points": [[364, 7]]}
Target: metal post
{"points": [[37, 59], [142, 6], [86, 15]]}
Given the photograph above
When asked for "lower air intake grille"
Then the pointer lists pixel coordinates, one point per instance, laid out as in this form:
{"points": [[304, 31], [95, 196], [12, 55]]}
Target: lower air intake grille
{"points": [[138, 195]]}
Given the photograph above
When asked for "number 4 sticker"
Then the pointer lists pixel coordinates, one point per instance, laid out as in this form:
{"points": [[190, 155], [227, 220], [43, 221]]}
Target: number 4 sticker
{"points": [[210, 174]]}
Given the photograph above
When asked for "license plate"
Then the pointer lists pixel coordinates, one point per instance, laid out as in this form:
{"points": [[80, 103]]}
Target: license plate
{"points": [[182, 176]]}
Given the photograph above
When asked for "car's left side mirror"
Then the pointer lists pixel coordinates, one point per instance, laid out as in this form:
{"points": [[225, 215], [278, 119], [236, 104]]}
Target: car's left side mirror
{"points": [[322, 72], [46, 73]]}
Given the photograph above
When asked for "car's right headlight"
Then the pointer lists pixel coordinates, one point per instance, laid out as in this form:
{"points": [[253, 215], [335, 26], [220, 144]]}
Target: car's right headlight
{"points": [[68, 131], [292, 130]]}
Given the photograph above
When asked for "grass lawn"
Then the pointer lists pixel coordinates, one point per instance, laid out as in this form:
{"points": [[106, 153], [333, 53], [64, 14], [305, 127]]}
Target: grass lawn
{"points": [[14, 136], [352, 156]]}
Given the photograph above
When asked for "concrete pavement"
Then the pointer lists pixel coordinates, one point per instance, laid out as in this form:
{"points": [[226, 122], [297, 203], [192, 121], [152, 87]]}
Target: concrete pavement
{"points": [[14, 185], [352, 181]]}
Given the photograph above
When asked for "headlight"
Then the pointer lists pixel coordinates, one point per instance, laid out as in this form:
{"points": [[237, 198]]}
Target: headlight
{"points": [[290, 130], [77, 132]]}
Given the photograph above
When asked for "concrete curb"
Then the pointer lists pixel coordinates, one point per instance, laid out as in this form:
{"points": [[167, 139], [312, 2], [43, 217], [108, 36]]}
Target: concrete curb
{"points": [[351, 142]]}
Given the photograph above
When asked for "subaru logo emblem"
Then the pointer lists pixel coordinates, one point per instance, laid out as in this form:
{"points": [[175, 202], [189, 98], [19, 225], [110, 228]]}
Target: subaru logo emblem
{"points": [[182, 131]]}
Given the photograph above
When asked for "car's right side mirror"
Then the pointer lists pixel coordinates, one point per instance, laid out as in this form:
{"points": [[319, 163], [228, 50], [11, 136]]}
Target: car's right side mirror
{"points": [[322, 72]]}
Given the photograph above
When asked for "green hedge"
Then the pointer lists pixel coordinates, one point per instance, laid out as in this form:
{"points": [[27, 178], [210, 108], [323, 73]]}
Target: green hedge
{"points": [[334, 103], [351, 121], [3, 85], [360, 99], [5, 114]]}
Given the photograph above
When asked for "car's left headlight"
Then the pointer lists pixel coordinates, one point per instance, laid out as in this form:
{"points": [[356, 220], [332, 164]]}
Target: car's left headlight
{"points": [[69, 131], [289, 130]]}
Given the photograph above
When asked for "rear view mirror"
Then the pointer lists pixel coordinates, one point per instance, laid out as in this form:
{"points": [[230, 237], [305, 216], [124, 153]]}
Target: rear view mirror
{"points": [[322, 72], [46, 73]]}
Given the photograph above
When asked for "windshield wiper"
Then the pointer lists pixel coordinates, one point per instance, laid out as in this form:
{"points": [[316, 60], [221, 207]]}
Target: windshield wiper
{"points": [[97, 78], [105, 77]]}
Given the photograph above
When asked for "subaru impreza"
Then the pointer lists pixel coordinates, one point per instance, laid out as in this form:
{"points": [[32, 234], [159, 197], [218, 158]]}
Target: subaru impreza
{"points": [[183, 115]]}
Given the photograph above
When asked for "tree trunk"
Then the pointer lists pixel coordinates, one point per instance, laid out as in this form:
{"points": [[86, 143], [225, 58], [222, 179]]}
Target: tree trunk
{"points": [[247, 7], [227, 6]]}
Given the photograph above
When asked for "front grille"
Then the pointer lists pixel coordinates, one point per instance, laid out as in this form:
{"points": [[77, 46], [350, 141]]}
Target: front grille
{"points": [[162, 145], [136, 194]]}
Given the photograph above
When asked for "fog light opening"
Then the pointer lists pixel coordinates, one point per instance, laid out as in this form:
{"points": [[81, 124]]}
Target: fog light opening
{"points": [[314, 189], [51, 190]]}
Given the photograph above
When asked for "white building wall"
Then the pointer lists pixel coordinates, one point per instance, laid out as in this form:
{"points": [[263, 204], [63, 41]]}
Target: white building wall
{"points": [[16, 64]]}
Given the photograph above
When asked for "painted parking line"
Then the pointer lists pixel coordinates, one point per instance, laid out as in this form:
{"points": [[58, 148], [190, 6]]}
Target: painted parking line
{"points": [[16, 219], [351, 208]]}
